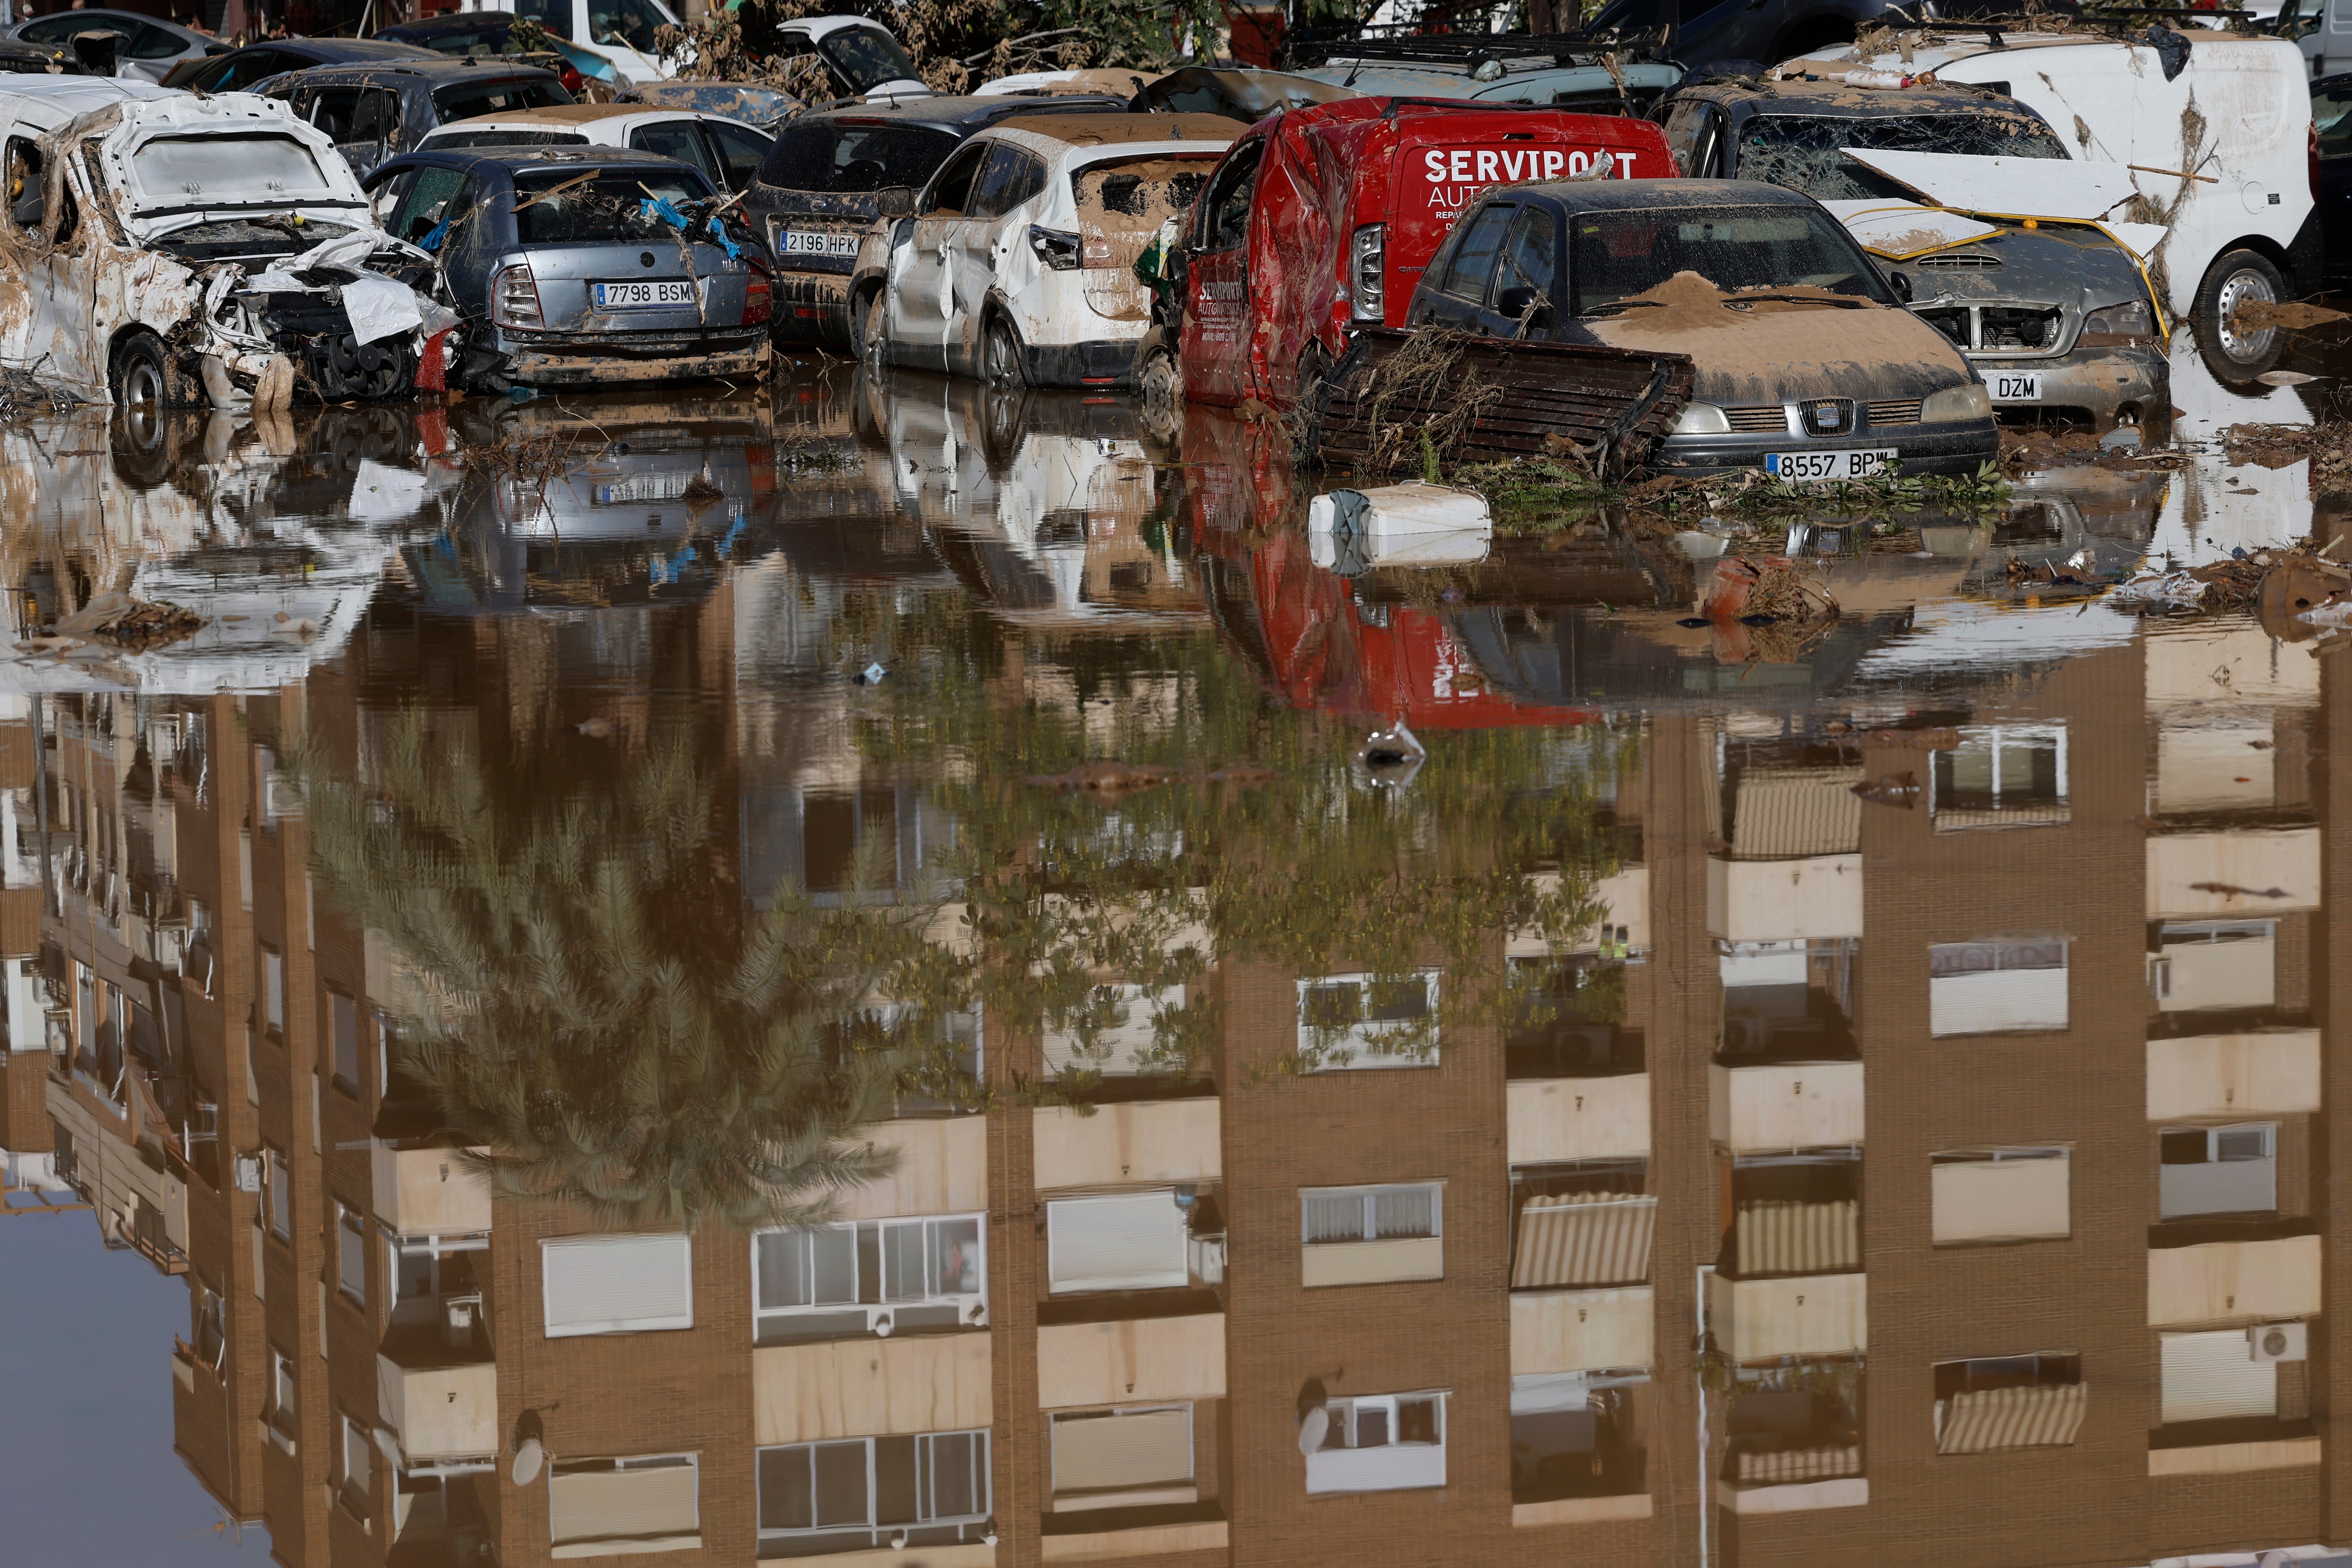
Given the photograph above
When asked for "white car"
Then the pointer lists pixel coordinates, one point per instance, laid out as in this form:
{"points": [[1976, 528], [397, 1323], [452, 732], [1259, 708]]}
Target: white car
{"points": [[864, 58], [618, 32], [121, 295], [1018, 265], [729, 151], [2215, 150]]}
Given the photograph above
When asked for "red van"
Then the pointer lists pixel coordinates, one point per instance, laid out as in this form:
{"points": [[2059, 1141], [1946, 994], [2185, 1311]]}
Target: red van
{"points": [[1320, 219]]}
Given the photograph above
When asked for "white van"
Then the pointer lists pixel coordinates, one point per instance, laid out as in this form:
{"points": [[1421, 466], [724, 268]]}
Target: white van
{"points": [[2218, 152], [618, 32], [2322, 29]]}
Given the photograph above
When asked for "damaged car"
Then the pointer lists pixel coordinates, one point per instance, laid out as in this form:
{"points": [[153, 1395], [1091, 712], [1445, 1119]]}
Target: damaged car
{"points": [[165, 264], [1806, 364], [1019, 263], [2060, 317], [727, 151], [374, 112], [573, 267]]}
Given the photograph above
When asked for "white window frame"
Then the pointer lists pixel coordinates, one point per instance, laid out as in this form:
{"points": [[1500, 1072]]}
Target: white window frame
{"points": [[878, 1311], [355, 1489], [284, 1415], [1996, 735], [432, 1247], [273, 990], [1359, 1045], [349, 1225], [872, 1532], [1371, 1196], [1342, 1414], [280, 1177]]}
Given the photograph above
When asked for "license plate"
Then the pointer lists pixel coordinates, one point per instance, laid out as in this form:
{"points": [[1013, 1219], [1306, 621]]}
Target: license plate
{"points": [[815, 242], [643, 488], [646, 296], [1817, 468], [2015, 385]]}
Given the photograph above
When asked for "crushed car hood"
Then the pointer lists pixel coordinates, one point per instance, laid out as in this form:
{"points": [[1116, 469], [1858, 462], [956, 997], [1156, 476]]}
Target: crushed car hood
{"points": [[262, 161], [1769, 345]]}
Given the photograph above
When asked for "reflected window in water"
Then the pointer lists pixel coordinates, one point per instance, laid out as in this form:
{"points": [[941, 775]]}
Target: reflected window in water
{"points": [[2005, 985], [2001, 775]]}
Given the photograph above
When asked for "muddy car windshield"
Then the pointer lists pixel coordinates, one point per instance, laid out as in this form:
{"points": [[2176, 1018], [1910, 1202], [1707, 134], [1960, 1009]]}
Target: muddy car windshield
{"points": [[499, 98], [185, 173], [1800, 150], [610, 209], [845, 158], [1613, 256], [868, 57]]}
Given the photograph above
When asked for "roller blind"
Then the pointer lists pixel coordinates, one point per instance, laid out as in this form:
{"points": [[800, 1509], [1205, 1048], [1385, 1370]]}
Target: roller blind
{"points": [[2004, 1200], [2039, 1416], [1131, 1242], [1124, 1451], [1598, 1238], [617, 1284], [2212, 1375], [650, 1508]]}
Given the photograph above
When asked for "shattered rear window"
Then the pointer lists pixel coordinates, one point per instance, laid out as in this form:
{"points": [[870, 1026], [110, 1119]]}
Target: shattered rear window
{"points": [[1612, 256], [841, 159], [499, 98], [1800, 150], [199, 171], [606, 210]]}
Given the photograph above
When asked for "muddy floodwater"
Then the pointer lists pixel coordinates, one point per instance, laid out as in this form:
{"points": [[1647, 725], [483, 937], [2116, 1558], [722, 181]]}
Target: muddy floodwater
{"points": [[878, 971]]}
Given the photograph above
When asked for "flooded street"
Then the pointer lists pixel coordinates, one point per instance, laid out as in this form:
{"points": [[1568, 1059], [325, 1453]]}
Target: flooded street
{"points": [[879, 969]]}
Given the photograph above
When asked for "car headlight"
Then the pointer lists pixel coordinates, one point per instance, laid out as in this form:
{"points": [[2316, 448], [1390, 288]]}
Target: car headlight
{"points": [[2118, 324], [1701, 419], [1970, 402]]}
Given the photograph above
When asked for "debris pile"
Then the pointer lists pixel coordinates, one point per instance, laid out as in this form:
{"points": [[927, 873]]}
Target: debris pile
{"points": [[2327, 446], [128, 623], [2300, 583]]}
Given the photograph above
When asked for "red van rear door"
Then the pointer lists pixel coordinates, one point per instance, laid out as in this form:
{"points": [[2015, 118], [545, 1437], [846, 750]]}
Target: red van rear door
{"points": [[1445, 157]]}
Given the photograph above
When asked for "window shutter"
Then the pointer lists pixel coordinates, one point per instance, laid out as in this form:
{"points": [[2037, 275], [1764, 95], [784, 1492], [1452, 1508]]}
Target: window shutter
{"points": [[616, 1284], [650, 1507], [1132, 1242], [1123, 1452], [2209, 1376], [2003, 1200], [1584, 1239]]}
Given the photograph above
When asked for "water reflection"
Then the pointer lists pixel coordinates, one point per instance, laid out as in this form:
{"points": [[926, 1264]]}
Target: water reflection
{"points": [[915, 974]]}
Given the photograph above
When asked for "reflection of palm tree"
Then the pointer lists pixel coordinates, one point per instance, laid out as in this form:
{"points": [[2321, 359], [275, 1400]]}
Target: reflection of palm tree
{"points": [[577, 1012]]}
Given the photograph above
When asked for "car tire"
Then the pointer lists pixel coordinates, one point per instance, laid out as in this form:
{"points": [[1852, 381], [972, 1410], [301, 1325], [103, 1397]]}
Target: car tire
{"points": [[870, 323], [1314, 370], [1001, 355], [2238, 278], [142, 375]]}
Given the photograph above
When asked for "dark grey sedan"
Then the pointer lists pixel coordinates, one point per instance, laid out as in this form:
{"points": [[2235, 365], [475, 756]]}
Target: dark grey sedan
{"points": [[587, 267], [149, 48]]}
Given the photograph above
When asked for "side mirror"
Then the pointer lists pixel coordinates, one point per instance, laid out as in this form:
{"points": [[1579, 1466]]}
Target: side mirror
{"points": [[896, 201], [1901, 283]]}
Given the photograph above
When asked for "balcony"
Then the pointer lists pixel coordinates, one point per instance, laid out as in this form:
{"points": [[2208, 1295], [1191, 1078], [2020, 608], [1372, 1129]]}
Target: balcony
{"points": [[1812, 1315], [1151, 1140], [1556, 1118], [2232, 874], [1775, 900], [1793, 1441], [428, 1191], [1140, 1361], [2233, 1280], [442, 1414], [2211, 1077], [1775, 1107]]}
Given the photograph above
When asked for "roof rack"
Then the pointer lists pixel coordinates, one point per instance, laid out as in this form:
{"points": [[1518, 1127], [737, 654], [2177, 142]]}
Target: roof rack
{"points": [[1472, 49]]}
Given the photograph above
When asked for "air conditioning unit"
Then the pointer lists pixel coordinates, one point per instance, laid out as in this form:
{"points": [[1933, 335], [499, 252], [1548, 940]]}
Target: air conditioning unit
{"points": [[249, 1173], [1206, 1255], [2279, 1342]]}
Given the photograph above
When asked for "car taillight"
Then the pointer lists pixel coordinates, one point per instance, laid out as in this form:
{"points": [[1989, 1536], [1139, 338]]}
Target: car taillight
{"points": [[1060, 251], [1366, 279], [514, 298], [757, 293]]}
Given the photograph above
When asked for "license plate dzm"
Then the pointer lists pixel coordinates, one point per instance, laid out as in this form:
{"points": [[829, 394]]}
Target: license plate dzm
{"points": [[2015, 385], [1817, 468], [649, 295]]}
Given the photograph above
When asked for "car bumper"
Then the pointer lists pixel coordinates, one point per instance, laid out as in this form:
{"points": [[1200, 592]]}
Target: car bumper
{"points": [[2099, 382], [636, 363], [813, 307], [1098, 362], [1956, 448]]}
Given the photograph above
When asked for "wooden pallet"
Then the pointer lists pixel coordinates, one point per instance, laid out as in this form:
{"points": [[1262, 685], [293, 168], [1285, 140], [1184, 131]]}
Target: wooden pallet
{"points": [[1613, 405]]}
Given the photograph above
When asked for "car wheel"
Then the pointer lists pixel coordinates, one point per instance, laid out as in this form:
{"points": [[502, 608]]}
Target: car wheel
{"points": [[1004, 355], [1314, 369], [143, 379], [2232, 352], [871, 323]]}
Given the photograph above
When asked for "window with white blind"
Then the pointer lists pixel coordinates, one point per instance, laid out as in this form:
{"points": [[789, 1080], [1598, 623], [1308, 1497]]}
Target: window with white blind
{"points": [[1130, 1241], [1375, 1442], [350, 1254], [1999, 776], [2000, 1194], [927, 1489], [285, 1411], [358, 1466], [281, 1197], [1138, 1457], [881, 1276], [2212, 1377], [2218, 1170], [1368, 1021], [597, 1507], [2004, 986], [273, 989], [1362, 1236], [617, 1284]]}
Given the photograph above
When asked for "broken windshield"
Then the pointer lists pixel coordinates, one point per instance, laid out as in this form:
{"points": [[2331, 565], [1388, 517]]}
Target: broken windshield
{"points": [[1800, 150], [868, 57], [1613, 256], [844, 157], [226, 171]]}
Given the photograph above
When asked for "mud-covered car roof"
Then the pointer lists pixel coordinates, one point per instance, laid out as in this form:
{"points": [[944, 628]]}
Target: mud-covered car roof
{"points": [[1116, 129], [516, 161], [1630, 195], [1835, 99], [966, 115]]}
